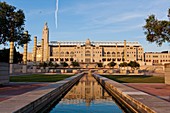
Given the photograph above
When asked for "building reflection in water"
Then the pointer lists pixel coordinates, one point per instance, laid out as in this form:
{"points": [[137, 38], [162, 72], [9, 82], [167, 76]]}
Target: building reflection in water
{"points": [[86, 90]]}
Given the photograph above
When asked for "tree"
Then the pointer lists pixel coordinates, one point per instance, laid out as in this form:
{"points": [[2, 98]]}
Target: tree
{"points": [[157, 30], [50, 64], [56, 65], [134, 65], [43, 64], [100, 64], [75, 64], [12, 25], [111, 64], [123, 64], [64, 64]]}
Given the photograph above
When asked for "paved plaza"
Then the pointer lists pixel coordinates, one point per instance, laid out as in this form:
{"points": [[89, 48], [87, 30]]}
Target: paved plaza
{"points": [[159, 90], [16, 89]]}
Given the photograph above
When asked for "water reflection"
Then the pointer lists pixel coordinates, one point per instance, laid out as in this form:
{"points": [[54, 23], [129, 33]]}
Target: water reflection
{"points": [[86, 96]]}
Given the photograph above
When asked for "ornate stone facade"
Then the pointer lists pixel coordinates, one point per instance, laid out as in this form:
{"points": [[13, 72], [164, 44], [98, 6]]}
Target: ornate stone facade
{"points": [[87, 51], [157, 58]]}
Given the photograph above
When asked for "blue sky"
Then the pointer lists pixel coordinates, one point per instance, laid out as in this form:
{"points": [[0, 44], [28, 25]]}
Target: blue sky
{"points": [[99, 20]]}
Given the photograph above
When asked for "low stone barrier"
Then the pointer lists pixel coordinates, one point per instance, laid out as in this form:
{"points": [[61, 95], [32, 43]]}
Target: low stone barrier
{"points": [[4, 73], [167, 73], [124, 95], [49, 98]]}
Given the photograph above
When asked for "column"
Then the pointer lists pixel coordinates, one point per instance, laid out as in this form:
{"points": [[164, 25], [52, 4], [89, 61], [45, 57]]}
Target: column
{"points": [[125, 51], [42, 50], [11, 57], [25, 53], [24, 67], [59, 51], [116, 52], [47, 57], [35, 49], [167, 73]]}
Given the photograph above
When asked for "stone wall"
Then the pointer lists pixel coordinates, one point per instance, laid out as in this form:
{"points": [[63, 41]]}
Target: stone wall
{"points": [[167, 73], [43, 103], [4, 73], [120, 94]]}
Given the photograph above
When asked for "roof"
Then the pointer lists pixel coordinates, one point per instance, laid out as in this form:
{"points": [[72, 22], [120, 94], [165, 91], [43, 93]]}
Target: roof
{"points": [[100, 43]]}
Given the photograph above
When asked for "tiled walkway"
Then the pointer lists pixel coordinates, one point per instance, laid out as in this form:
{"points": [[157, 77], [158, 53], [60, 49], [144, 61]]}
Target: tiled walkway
{"points": [[14, 89], [157, 89]]}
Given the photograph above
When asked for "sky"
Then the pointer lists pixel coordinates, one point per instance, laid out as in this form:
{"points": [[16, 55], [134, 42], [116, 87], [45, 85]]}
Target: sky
{"points": [[98, 20]]}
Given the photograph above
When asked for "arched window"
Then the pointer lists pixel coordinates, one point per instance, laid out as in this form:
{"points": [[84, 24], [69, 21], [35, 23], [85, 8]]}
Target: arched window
{"points": [[118, 54], [113, 54], [62, 54], [108, 54], [71, 53], [67, 53], [87, 53]]}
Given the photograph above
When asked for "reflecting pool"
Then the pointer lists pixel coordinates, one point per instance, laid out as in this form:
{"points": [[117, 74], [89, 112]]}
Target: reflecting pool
{"points": [[87, 96]]}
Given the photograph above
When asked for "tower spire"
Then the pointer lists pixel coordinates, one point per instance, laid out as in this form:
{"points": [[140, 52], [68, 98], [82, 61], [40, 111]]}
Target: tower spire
{"points": [[45, 36], [45, 25]]}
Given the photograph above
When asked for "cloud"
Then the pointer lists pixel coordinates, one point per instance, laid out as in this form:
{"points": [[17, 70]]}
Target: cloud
{"points": [[111, 21]]}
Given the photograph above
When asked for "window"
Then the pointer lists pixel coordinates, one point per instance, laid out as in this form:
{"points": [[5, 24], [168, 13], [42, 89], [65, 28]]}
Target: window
{"points": [[87, 60], [155, 56], [87, 53]]}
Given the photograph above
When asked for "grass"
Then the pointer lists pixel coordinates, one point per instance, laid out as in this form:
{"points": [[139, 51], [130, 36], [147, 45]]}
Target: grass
{"points": [[135, 78], [38, 78]]}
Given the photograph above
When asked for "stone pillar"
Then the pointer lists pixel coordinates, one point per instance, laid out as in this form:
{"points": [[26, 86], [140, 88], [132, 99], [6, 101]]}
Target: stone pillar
{"points": [[47, 56], [24, 67], [42, 50], [59, 51], [45, 36], [11, 57], [116, 52], [167, 74], [34, 69], [35, 49], [125, 51], [25, 53]]}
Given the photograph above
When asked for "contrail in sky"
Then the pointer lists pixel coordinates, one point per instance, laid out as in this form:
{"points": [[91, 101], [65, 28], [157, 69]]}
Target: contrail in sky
{"points": [[56, 14]]}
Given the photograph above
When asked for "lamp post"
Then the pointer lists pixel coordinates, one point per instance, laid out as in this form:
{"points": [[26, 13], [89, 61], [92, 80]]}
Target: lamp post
{"points": [[169, 14]]}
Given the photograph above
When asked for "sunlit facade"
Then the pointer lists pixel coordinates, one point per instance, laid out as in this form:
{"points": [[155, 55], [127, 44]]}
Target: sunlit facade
{"points": [[87, 51]]}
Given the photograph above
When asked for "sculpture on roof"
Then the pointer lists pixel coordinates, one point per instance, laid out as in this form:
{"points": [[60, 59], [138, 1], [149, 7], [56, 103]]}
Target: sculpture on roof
{"points": [[88, 42]]}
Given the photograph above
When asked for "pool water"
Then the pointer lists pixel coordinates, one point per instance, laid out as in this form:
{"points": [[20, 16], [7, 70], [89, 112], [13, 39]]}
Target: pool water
{"points": [[87, 96]]}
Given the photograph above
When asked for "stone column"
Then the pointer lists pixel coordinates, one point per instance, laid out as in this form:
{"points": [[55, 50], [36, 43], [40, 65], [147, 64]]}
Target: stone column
{"points": [[59, 51], [116, 52], [47, 57], [24, 67], [35, 49], [34, 69], [25, 53], [42, 50], [167, 74], [125, 51], [11, 57]]}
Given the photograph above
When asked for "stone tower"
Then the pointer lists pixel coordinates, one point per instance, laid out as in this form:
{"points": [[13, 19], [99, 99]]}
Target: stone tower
{"points": [[45, 37]]}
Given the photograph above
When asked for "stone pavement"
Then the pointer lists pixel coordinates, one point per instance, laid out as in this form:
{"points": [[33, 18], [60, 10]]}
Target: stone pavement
{"points": [[14, 89], [159, 90], [31, 97]]}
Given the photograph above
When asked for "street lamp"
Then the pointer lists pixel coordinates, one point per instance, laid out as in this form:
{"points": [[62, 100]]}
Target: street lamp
{"points": [[169, 14]]}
